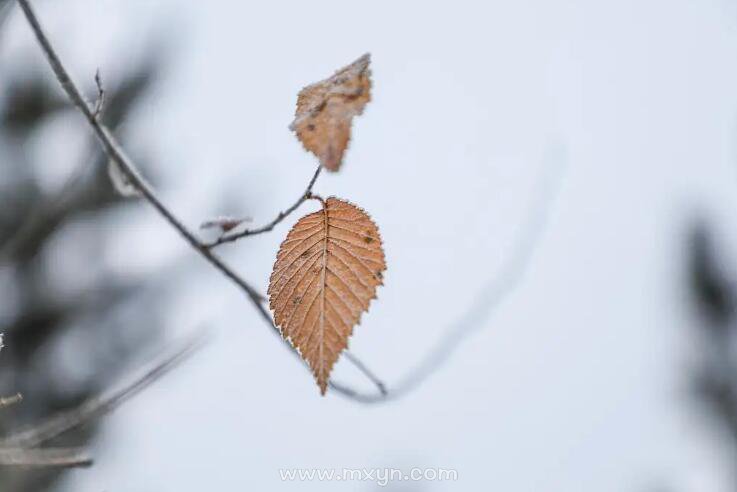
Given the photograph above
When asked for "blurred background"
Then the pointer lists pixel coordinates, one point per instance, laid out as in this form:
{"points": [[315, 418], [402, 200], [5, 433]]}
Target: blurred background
{"points": [[611, 366]]}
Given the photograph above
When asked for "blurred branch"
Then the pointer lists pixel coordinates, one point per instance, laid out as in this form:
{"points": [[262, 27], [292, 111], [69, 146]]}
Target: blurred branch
{"points": [[20, 449], [715, 298], [227, 238], [712, 291], [497, 290], [44, 218], [24, 231], [4, 9], [46, 457], [106, 403], [10, 400], [366, 371], [116, 153], [37, 320]]}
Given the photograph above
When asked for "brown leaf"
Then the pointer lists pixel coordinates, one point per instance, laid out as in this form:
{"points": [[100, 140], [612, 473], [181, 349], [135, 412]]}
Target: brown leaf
{"points": [[325, 275], [326, 109]]}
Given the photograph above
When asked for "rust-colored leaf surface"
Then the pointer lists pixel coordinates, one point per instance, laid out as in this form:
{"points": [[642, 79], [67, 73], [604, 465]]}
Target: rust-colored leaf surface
{"points": [[325, 275], [325, 111]]}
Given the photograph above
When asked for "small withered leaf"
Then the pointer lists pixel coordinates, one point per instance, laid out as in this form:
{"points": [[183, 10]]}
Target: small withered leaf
{"points": [[325, 111], [324, 278]]}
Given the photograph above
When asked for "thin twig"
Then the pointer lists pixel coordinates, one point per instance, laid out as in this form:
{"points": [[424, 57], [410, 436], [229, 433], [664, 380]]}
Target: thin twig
{"points": [[45, 457], [228, 238], [101, 405], [366, 371], [117, 154], [497, 290]]}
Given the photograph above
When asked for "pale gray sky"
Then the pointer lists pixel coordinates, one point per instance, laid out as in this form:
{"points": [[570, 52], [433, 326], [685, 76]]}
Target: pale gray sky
{"points": [[578, 381]]}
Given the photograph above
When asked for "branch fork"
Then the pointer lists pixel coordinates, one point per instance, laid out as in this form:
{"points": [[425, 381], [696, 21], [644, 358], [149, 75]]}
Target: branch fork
{"points": [[115, 152]]}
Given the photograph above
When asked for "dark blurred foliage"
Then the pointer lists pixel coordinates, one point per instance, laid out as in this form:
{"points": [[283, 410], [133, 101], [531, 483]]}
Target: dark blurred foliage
{"points": [[714, 294], [65, 341]]}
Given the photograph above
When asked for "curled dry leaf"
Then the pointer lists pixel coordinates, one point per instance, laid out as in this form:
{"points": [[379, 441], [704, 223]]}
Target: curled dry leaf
{"points": [[325, 275], [325, 111]]}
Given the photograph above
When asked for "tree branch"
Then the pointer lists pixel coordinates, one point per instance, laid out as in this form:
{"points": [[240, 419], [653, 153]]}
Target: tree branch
{"points": [[227, 238], [116, 153], [496, 291], [45, 457], [101, 405], [10, 400], [488, 299]]}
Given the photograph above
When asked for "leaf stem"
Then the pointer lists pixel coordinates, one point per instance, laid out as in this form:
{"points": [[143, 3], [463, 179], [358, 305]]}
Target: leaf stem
{"points": [[229, 238]]}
